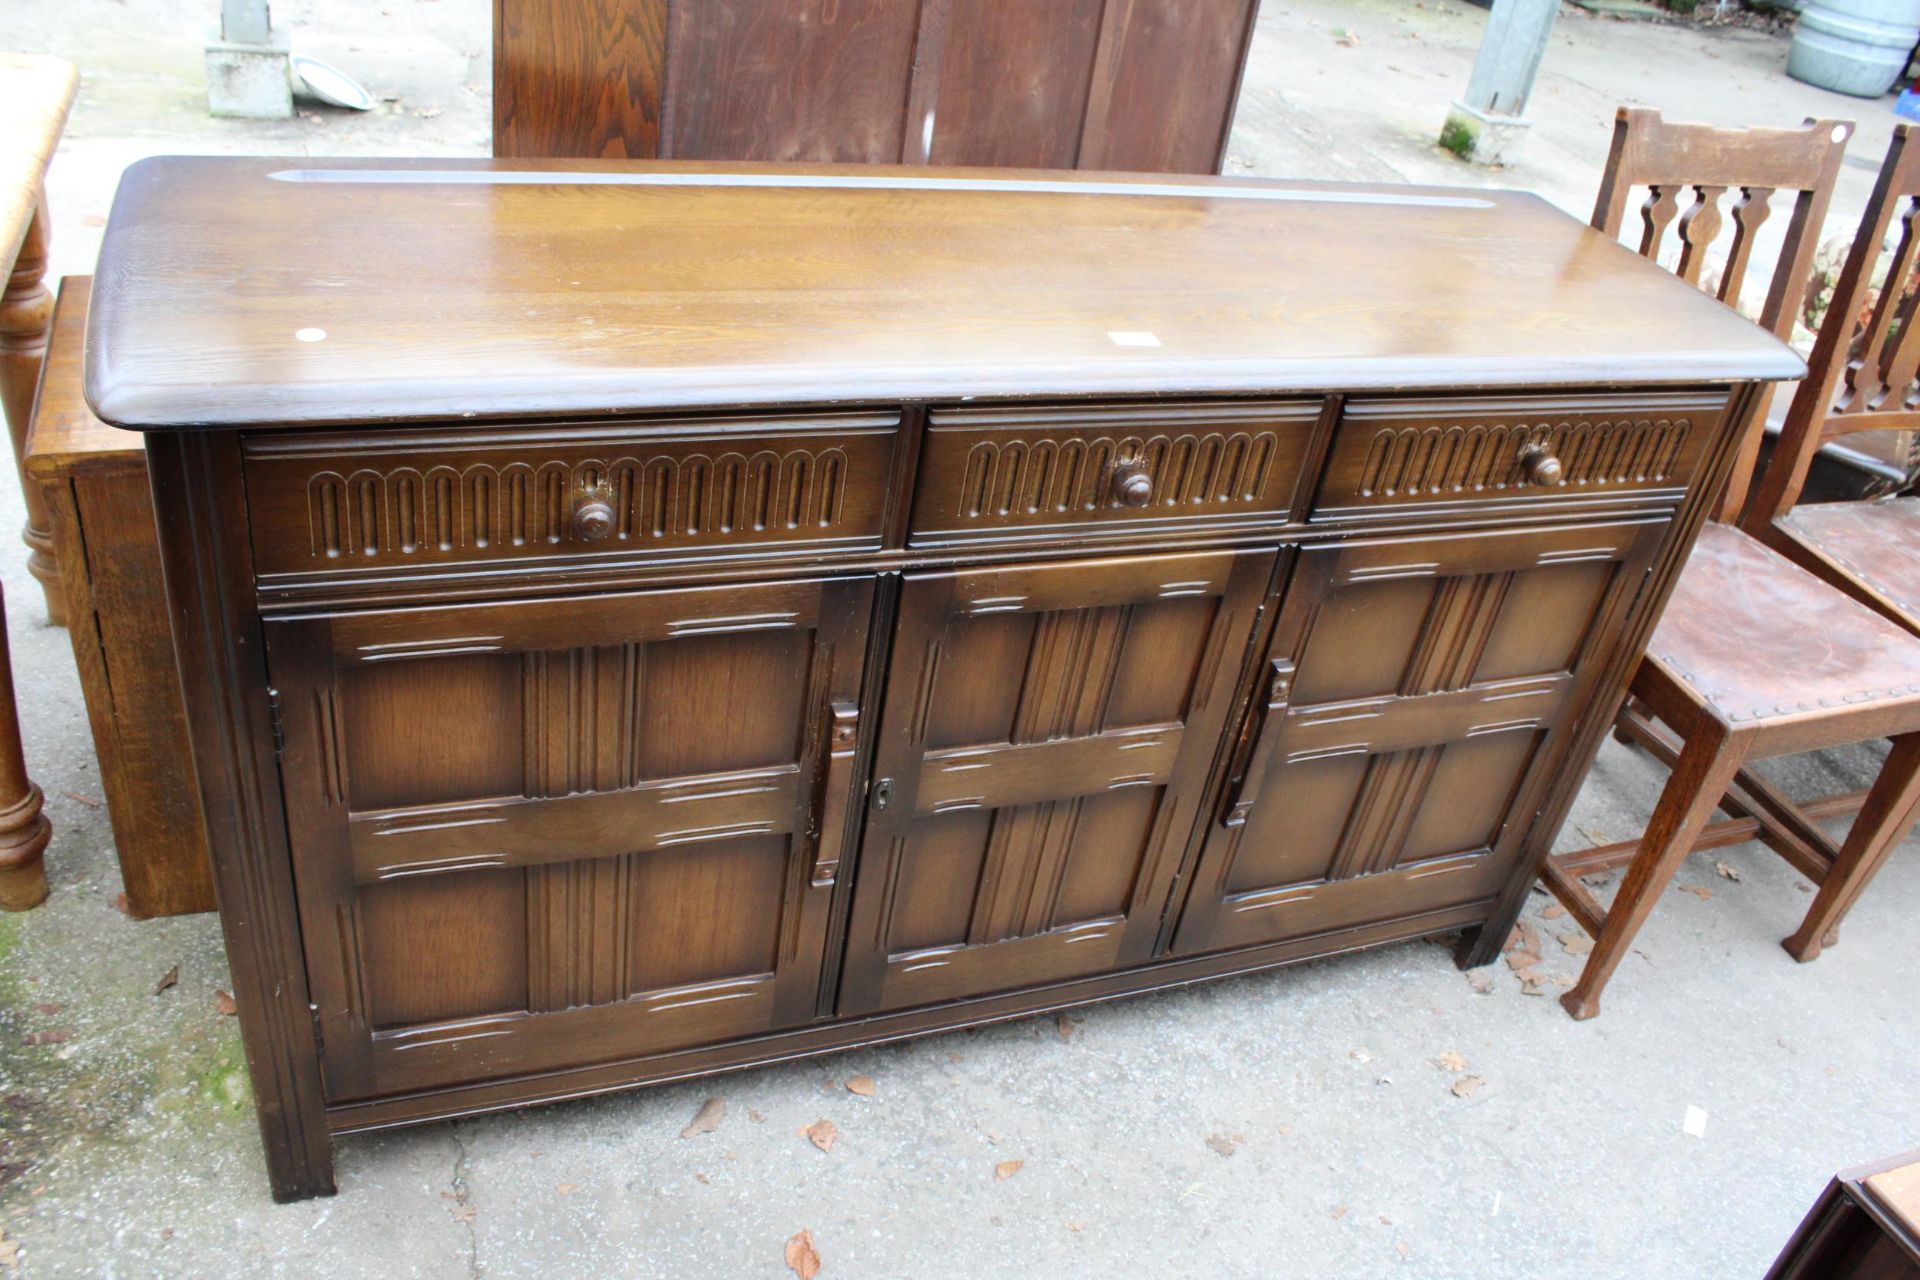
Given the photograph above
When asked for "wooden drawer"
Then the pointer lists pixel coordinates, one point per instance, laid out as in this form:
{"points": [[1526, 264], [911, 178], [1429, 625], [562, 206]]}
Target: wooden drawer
{"points": [[1033, 474], [1394, 456], [694, 489]]}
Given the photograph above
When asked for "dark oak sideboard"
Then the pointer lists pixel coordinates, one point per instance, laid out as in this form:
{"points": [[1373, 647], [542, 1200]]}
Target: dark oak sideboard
{"points": [[642, 620]]}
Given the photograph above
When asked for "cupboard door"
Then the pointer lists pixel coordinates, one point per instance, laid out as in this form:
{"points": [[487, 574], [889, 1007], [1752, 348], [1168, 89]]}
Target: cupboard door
{"points": [[1414, 696], [1048, 737], [538, 834]]}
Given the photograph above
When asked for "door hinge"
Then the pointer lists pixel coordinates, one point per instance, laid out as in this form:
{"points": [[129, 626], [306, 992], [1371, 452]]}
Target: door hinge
{"points": [[279, 733]]}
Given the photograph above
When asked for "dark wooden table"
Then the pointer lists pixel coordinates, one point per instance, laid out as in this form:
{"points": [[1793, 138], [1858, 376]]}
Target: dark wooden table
{"points": [[637, 621], [1864, 1226]]}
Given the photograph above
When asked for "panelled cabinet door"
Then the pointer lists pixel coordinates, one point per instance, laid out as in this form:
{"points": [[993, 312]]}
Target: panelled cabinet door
{"points": [[535, 834], [1048, 737], [1414, 695]]}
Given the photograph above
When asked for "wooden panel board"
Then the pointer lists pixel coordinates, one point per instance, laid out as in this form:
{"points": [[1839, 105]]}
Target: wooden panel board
{"points": [[1010, 83], [785, 80], [100, 509], [1034, 835], [578, 78], [1144, 113], [523, 810], [1404, 781]]}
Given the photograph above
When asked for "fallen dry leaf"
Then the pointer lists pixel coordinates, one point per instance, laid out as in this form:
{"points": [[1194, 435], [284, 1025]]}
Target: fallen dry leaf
{"points": [[1576, 944], [1006, 1169], [167, 979], [1224, 1143], [802, 1258], [1554, 911], [463, 1212], [1467, 1086], [1699, 891], [862, 1085], [822, 1134], [1480, 981], [1729, 872], [223, 1004], [77, 798], [1520, 960], [47, 1037], [753, 1114], [707, 1119], [1341, 1211], [1065, 1026], [1450, 1061], [567, 1188], [1406, 1250]]}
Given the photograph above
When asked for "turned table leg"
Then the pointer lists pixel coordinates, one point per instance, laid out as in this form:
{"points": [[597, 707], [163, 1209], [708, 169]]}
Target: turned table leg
{"points": [[24, 830], [26, 311]]}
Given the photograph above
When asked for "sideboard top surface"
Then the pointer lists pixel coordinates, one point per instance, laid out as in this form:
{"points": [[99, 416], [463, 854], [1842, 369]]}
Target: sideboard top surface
{"points": [[285, 292]]}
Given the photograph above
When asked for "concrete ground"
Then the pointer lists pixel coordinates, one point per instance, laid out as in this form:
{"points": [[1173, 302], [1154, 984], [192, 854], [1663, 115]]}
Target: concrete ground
{"points": [[1314, 1121]]}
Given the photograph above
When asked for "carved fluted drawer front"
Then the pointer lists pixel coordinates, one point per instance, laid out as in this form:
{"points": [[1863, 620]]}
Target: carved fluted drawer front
{"points": [[689, 489], [1430, 456], [527, 835], [1108, 471]]}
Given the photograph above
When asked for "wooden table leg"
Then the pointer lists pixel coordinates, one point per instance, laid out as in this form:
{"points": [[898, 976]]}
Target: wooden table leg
{"points": [[24, 830], [26, 311]]}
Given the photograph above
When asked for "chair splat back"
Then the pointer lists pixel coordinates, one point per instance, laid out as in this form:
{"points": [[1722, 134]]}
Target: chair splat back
{"points": [[1862, 375], [1688, 172]]}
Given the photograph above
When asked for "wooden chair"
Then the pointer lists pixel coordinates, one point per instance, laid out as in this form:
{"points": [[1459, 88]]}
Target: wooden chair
{"points": [[1754, 657], [1671, 159], [1861, 377]]}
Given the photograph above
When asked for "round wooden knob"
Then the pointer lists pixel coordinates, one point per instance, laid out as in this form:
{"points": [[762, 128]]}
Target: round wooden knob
{"points": [[592, 520], [1132, 486], [1541, 467]]}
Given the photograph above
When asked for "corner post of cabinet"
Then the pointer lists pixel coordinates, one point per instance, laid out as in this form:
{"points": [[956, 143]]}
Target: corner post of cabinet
{"points": [[1483, 945], [200, 509]]}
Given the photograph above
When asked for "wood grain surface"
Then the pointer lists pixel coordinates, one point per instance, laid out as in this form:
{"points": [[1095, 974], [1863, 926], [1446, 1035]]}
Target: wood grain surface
{"points": [[275, 292]]}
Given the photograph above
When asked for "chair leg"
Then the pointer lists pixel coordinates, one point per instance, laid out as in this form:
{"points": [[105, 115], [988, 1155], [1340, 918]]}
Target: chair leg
{"points": [[1890, 810], [1700, 777]]}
